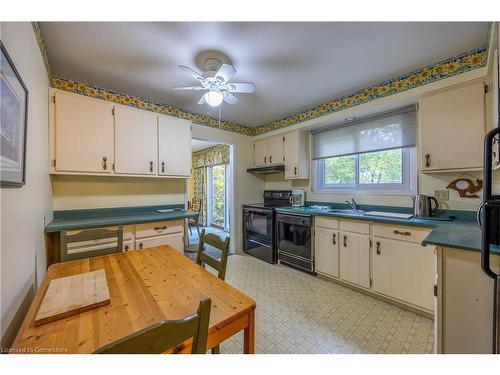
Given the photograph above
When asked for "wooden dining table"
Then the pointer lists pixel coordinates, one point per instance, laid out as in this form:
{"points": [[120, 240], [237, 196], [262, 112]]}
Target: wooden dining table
{"points": [[145, 286]]}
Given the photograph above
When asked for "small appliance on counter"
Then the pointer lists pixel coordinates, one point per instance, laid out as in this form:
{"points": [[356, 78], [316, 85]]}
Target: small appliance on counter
{"points": [[422, 205], [298, 198]]}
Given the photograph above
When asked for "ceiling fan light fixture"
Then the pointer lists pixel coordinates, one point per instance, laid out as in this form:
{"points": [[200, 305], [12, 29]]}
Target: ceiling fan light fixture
{"points": [[214, 98]]}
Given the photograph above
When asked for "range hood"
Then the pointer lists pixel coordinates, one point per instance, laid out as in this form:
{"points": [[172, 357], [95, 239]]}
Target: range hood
{"points": [[267, 169]]}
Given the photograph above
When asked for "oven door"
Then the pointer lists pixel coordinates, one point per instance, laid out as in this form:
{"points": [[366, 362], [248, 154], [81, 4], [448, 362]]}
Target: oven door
{"points": [[294, 236], [262, 250], [258, 223]]}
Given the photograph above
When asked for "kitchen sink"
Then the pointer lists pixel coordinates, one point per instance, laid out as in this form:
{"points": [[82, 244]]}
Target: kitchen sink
{"points": [[346, 211]]}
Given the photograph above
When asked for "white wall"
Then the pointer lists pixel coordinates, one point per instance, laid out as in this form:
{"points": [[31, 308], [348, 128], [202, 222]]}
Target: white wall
{"points": [[80, 192], [22, 252]]}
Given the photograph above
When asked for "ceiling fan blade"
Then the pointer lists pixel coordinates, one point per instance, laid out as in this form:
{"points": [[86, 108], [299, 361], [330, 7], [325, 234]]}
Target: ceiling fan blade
{"points": [[189, 88], [225, 73], [230, 98], [202, 100], [243, 87], [192, 73]]}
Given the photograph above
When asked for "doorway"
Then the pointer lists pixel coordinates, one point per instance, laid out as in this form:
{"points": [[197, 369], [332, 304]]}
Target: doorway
{"points": [[211, 185]]}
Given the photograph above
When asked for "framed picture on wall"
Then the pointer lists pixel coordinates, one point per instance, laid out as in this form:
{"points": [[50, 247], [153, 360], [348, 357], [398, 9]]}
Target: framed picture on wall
{"points": [[13, 123]]}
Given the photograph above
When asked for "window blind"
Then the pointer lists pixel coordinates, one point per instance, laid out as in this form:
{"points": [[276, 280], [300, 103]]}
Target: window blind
{"points": [[384, 131]]}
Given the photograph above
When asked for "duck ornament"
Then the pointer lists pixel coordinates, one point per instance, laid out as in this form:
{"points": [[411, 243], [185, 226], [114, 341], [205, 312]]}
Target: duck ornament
{"points": [[466, 187]]}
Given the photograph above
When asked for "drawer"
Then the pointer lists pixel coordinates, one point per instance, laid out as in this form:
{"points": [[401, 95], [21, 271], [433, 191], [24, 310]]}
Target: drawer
{"points": [[175, 240], [158, 228], [324, 222], [401, 232], [355, 226]]}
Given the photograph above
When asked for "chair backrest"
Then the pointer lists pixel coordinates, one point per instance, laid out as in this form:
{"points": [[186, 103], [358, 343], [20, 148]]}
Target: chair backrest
{"points": [[67, 237], [195, 205], [203, 258], [165, 335]]}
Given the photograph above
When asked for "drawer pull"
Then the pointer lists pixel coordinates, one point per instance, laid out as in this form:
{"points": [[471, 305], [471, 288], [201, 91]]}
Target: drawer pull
{"points": [[402, 233], [345, 241], [378, 248], [160, 229], [104, 163], [334, 238]]}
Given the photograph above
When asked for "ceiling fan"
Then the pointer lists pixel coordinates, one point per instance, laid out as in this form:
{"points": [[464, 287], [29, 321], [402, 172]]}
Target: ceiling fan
{"points": [[215, 80]]}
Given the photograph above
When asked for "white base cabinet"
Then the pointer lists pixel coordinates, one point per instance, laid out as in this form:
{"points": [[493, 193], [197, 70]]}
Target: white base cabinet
{"points": [[386, 260], [326, 250]]}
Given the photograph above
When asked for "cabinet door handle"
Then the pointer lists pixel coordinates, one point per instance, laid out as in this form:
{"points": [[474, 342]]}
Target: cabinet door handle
{"points": [[428, 160], [270, 159], [162, 167], [151, 166], [402, 233], [126, 247], [345, 240], [160, 229], [334, 239], [378, 248], [141, 245], [295, 171], [265, 159], [104, 162]]}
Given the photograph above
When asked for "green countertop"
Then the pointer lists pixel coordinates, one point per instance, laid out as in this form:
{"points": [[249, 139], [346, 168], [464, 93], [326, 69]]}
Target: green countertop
{"points": [[462, 233], [94, 218]]}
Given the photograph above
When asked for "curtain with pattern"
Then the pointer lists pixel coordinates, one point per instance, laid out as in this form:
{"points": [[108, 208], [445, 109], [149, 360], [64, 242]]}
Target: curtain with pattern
{"points": [[215, 155]]}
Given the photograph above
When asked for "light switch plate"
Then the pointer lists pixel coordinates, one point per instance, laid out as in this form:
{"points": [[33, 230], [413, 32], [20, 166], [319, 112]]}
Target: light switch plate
{"points": [[442, 195]]}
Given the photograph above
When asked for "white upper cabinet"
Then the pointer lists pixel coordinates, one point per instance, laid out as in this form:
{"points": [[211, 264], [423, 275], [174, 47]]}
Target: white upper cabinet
{"points": [[174, 146], [296, 154], [81, 134], [275, 149], [135, 141], [452, 128], [260, 152], [92, 137]]}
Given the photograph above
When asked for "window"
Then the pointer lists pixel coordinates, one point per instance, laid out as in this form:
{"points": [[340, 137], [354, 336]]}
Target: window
{"points": [[374, 155]]}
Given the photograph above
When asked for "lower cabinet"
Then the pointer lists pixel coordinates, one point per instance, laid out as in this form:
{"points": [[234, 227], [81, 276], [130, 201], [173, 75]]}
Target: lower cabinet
{"points": [[404, 270], [386, 260], [355, 258], [175, 240], [327, 251]]}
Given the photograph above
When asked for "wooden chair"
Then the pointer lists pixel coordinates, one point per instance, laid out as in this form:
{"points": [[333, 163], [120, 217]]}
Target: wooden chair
{"points": [[195, 205], [165, 335], [89, 235], [219, 265]]}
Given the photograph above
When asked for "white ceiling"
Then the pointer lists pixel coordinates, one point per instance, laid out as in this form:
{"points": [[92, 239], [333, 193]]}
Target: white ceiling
{"points": [[197, 145], [294, 66]]}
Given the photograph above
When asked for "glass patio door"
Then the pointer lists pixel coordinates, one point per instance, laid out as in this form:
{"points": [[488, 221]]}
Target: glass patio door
{"points": [[217, 195]]}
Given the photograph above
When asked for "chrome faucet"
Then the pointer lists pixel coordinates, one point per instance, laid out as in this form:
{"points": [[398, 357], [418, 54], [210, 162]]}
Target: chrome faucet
{"points": [[352, 204]]}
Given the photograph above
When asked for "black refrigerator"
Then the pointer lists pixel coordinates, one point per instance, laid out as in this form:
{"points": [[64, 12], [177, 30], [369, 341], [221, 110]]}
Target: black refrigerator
{"points": [[489, 214]]}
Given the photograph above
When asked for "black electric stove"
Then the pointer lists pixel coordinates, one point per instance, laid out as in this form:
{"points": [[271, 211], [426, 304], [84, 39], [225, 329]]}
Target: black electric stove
{"points": [[259, 219]]}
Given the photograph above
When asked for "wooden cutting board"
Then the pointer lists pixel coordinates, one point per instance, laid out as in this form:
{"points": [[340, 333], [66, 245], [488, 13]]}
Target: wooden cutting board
{"points": [[67, 296]]}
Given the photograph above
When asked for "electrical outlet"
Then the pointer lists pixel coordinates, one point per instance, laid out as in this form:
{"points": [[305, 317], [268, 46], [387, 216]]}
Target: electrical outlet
{"points": [[442, 195]]}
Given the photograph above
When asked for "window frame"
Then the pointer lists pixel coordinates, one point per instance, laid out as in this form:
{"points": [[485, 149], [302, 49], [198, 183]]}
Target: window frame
{"points": [[408, 187]]}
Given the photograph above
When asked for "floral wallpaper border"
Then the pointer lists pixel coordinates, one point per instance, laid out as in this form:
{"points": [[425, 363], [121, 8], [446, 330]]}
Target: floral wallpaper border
{"points": [[444, 69]]}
